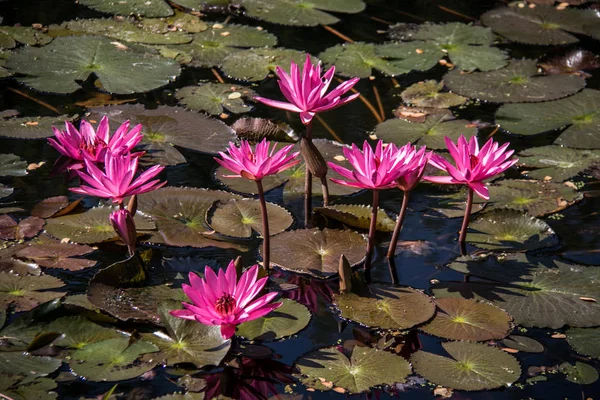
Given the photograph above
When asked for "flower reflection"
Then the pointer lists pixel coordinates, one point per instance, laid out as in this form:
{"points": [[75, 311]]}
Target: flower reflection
{"points": [[307, 291]]}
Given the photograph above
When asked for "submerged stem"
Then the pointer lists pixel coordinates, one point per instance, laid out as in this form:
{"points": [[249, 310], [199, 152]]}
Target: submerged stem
{"points": [[465, 224], [307, 182], [371, 239], [399, 221], [265, 226]]}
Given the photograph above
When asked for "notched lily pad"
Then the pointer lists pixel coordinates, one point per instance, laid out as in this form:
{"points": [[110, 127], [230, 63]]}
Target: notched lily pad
{"points": [[523, 343], [31, 127], [471, 366], [316, 252], [358, 373], [357, 216], [146, 8], [27, 292], [53, 206], [79, 332], [386, 307], [580, 373], [53, 254], [555, 163], [585, 341], [287, 320], [216, 98], [429, 94], [257, 64], [24, 229]]}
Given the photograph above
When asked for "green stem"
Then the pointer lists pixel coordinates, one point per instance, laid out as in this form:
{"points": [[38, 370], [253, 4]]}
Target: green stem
{"points": [[399, 221], [371, 239], [265, 227]]}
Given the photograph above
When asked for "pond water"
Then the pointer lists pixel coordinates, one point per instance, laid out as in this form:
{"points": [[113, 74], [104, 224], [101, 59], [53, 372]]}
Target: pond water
{"points": [[68, 331]]}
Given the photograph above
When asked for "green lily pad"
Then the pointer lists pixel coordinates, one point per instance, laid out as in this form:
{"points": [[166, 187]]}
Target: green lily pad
{"points": [[240, 217], [91, 226], [357, 216], [537, 292], [429, 94], [31, 127], [449, 205], [316, 252], [165, 126], [187, 341], [113, 360], [287, 320], [543, 25], [471, 366], [580, 113], [124, 30], [298, 12], [510, 230], [12, 165], [516, 83], [386, 307], [5, 191], [20, 363], [121, 69], [430, 133], [53, 254], [585, 341], [179, 20], [523, 343], [557, 163], [580, 373], [533, 197], [257, 64], [216, 98], [257, 129], [11, 35], [79, 332], [210, 47], [36, 389], [146, 8], [359, 372], [27, 292], [181, 396], [467, 319]]}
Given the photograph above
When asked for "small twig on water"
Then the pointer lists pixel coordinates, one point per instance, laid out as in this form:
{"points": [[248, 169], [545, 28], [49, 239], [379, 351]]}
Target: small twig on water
{"points": [[338, 34], [40, 102]]}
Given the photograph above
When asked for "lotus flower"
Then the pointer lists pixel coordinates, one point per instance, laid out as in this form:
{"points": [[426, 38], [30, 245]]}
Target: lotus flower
{"points": [[89, 144], [123, 224], [221, 300], [473, 166], [306, 92], [116, 181]]}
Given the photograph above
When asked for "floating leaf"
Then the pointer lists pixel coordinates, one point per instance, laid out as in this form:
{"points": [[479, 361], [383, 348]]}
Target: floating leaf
{"points": [[510, 230], [557, 163], [10, 35], [91, 226], [239, 217], [581, 113], [359, 372], [523, 343], [112, 360], [300, 13], [146, 8], [386, 307], [257, 129], [25, 229], [181, 396], [256, 64], [20, 363], [572, 61], [357, 216], [585, 341], [471, 366], [51, 206], [26, 291], [535, 292], [535, 198], [316, 252], [12, 165], [79, 332], [467, 319], [5, 191], [187, 341], [429, 94], [59, 66], [516, 83], [430, 133], [31, 127], [179, 20], [216, 98], [36, 389], [287, 320], [53, 254], [449, 205], [580, 373]]}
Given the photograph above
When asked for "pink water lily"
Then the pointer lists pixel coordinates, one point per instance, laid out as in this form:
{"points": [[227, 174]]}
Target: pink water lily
{"points": [[473, 165], [415, 163], [306, 92], [89, 144], [116, 181], [222, 300], [123, 224]]}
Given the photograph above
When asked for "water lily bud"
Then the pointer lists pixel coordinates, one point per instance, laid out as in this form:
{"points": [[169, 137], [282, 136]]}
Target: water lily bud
{"points": [[123, 224], [345, 274], [313, 158]]}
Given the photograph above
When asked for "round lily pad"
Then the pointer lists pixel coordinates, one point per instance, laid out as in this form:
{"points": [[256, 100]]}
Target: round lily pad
{"points": [[510, 230], [165, 126], [187, 341], [533, 197], [20, 363], [239, 217], [585, 341], [580, 113], [27, 292], [113, 360], [523, 343], [53, 254], [59, 66], [146, 8], [468, 319], [556, 163], [361, 371], [300, 13], [316, 252], [287, 320], [430, 133], [91, 226], [516, 83], [216, 98], [357, 216], [470, 366], [256, 64], [12, 165], [429, 94], [24, 229], [31, 127], [580, 373], [386, 307], [536, 292], [79, 332]]}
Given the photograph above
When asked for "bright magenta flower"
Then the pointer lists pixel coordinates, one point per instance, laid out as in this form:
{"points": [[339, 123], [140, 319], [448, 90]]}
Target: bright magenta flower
{"points": [[116, 181], [89, 144], [415, 161], [222, 300], [378, 170], [306, 92], [473, 165], [258, 163], [122, 222]]}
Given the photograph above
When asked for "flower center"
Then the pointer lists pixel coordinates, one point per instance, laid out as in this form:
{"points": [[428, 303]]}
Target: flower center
{"points": [[474, 160], [225, 304], [251, 157]]}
